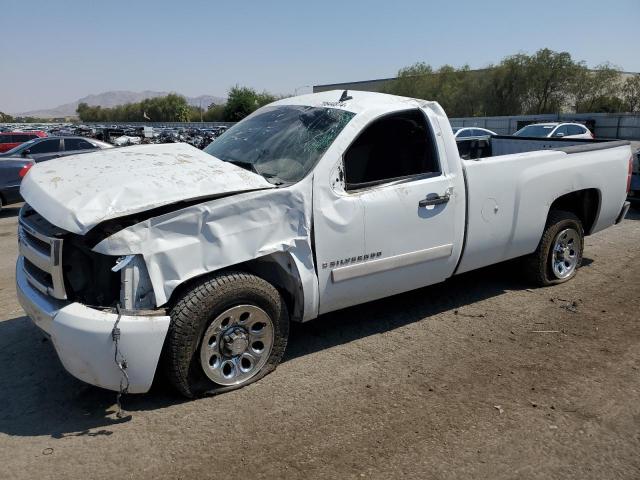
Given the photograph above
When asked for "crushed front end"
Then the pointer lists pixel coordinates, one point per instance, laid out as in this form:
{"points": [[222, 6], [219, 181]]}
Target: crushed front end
{"points": [[73, 294]]}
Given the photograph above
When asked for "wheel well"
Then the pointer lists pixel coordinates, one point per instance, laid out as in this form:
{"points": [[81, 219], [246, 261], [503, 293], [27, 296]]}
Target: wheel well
{"points": [[278, 269], [584, 204]]}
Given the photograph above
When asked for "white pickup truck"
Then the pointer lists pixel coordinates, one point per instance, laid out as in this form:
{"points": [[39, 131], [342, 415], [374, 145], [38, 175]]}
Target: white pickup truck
{"points": [[311, 204]]}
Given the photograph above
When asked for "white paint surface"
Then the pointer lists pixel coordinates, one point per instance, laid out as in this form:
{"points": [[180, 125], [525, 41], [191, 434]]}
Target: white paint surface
{"points": [[79, 191]]}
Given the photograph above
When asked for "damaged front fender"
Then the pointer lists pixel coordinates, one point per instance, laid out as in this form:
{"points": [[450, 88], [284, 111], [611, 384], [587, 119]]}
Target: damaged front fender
{"points": [[217, 234]]}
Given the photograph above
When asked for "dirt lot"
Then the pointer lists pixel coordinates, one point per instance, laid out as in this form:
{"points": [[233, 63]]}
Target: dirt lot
{"points": [[481, 377]]}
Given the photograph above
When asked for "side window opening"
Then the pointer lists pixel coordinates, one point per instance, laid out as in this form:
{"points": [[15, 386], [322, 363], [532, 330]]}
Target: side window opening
{"points": [[46, 146], [72, 144], [394, 147], [562, 129], [576, 130], [22, 138]]}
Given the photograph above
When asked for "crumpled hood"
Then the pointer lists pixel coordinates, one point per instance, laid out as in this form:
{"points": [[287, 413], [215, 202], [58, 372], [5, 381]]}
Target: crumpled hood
{"points": [[78, 192]]}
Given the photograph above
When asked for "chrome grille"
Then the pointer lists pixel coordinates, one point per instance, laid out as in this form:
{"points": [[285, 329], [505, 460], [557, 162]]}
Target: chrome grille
{"points": [[42, 253]]}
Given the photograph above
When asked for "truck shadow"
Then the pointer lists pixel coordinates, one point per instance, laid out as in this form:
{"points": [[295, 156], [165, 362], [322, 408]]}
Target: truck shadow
{"points": [[633, 213], [39, 398], [394, 312]]}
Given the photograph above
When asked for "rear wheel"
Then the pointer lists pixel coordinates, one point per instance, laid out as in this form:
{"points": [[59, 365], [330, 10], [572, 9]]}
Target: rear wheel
{"points": [[226, 332], [559, 253]]}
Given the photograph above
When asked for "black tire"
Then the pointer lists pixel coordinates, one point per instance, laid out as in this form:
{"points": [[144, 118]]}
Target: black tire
{"points": [[538, 264], [195, 310]]}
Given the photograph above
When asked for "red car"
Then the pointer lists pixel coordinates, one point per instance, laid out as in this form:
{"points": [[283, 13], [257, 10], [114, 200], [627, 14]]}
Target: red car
{"points": [[9, 140]]}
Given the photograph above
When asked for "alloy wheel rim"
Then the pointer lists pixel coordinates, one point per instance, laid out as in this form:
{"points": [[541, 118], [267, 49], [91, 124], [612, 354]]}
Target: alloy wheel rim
{"points": [[564, 258], [236, 345]]}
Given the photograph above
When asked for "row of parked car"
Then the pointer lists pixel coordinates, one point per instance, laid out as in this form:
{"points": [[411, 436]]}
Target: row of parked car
{"points": [[16, 162], [20, 150], [538, 130]]}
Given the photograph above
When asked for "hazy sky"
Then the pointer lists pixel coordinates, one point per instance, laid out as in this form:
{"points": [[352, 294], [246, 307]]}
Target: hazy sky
{"points": [[55, 52]]}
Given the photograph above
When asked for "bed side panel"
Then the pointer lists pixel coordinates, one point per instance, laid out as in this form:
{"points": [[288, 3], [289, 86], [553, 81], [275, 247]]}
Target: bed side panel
{"points": [[510, 197]]}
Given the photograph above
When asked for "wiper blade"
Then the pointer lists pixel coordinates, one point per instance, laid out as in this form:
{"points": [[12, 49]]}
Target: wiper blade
{"points": [[273, 178], [252, 167], [246, 165]]}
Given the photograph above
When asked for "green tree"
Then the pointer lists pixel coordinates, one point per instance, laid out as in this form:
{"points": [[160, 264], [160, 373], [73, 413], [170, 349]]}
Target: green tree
{"points": [[215, 113], [171, 108], [545, 82], [631, 94], [505, 86], [5, 118], [242, 101], [549, 77], [597, 90], [413, 81], [458, 91]]}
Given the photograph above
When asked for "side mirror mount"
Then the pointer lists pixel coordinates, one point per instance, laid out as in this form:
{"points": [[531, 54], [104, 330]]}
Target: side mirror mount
{"points": [[559, 134], [26, 152]]}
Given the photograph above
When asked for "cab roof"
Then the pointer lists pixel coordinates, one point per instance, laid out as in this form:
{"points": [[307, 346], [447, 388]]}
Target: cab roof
{"points": [[359, 101]]}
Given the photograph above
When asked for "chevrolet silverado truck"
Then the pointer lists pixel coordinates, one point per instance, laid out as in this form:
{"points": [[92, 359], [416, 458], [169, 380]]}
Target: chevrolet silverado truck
{"points": [[164, 259]]}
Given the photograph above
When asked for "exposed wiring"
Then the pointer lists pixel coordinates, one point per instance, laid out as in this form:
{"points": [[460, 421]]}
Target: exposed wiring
{"points": [[121, 363]]}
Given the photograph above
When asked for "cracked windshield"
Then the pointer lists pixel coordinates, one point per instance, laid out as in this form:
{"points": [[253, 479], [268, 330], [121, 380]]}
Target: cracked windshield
{"points": [[281, 143]]}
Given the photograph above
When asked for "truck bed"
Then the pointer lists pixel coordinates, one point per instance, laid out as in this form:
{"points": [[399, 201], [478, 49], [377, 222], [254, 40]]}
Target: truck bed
{"points": [[477, 148], [512, 182]]}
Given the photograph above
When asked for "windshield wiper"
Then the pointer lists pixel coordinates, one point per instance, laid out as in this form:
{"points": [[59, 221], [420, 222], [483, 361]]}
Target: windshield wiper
{"points": [[246, 165], [273, 178], [252, 167]]}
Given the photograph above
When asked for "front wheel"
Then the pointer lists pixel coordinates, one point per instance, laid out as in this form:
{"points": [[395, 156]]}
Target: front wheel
{"points": [[559, 253], [226, 331]]}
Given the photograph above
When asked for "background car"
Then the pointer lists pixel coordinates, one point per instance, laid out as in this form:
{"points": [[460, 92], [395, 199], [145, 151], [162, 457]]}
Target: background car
{"points": [[634, 182], [12, 171], [463, 132], [556, 130], [15, 163], [9, 140], [53, 147]]}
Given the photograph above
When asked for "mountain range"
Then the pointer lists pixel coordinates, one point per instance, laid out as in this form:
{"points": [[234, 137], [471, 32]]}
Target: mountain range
{"points": [[111, 99]]}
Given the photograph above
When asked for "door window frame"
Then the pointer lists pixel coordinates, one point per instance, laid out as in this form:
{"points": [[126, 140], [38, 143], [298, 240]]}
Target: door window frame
{"points": [[64, 145], [45, 141], [396, 180]]}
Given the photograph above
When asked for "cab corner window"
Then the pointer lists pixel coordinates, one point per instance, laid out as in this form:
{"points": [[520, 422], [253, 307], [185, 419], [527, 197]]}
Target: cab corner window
{"points": [[391, 148]]}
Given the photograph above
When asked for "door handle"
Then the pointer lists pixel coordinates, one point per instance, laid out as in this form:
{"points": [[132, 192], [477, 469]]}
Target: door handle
{"points": [[434, 199]]}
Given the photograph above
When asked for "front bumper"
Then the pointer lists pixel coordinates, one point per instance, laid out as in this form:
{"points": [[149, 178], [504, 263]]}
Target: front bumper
{"points": [[83, 342]]}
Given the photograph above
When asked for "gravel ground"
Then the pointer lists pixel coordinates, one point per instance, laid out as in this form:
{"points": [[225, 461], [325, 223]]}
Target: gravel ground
{"points": [[480, 377]]}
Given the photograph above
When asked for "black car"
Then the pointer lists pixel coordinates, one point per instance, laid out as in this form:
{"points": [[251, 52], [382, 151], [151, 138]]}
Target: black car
{"points": [[41, 149], [15, 163], [12, 170]]}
